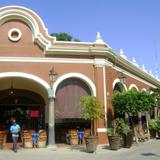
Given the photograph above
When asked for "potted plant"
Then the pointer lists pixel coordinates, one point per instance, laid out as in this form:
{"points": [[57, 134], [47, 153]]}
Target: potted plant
{"points": [[152, 127], [119, 131], [127, 135], [91, 109], [114, 136]]}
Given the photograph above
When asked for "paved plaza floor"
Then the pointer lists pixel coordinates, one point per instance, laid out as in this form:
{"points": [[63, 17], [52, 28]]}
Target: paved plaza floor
{"points": [[149, 150]]}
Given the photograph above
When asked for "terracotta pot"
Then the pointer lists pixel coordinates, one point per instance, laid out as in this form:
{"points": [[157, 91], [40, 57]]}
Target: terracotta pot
{"points": [[114, 142], [152, 133], [127, 140], [158, 133], [91, 143]]}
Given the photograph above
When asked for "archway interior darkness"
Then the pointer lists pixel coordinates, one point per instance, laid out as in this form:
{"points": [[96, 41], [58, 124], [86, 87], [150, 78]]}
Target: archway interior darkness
{"points": [[67, 108], [25, 106], [118, 88]]}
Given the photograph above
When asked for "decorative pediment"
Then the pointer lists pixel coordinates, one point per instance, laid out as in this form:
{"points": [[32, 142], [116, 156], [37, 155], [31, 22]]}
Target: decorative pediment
{"points": [[39, 32]]}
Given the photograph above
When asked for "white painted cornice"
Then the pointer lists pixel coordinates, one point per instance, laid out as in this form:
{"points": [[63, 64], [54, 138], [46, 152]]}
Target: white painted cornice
{"points": [[97, 62], [135, 70], [51, 46]]}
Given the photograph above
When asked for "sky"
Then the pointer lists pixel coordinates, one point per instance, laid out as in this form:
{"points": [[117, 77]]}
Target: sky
{"points": [[133, 25]]}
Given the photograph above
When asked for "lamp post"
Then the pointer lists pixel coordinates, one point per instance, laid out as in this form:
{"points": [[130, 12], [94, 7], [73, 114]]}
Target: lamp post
{"points": [[51, 126], [52, 76]]}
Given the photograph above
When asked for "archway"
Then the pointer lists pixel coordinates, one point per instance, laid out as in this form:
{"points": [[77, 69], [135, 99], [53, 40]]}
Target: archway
{"points": [[133, 87], [25, 106], [23, 99], [67, 110], [118, 88]]}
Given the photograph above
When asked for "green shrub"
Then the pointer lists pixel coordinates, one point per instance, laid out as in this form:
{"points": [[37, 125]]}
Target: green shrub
{"points": [[152, 124], [158, 125]]}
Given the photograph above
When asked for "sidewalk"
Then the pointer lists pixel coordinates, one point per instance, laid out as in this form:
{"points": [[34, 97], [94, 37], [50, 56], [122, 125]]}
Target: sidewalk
{"points": [[149, 150]]}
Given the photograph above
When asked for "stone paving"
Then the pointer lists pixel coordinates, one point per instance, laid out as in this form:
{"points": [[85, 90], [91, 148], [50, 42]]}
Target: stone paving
{"points": [[149, 150]]}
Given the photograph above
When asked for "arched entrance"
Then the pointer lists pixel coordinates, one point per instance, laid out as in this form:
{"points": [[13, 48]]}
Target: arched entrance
{"points": [[67, 109], [23, 99], [23, 105]]}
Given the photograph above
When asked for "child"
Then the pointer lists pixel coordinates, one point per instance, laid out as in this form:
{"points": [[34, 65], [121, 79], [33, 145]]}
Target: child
{"points": [[35, 135], [80, 137]]}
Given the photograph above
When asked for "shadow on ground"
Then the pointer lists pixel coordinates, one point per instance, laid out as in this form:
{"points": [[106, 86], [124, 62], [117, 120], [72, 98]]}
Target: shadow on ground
{"points": [[150, 154]]}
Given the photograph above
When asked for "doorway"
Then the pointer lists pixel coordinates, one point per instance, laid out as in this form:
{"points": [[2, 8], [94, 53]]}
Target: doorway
{"points": [[67, 108], [27, 107]]}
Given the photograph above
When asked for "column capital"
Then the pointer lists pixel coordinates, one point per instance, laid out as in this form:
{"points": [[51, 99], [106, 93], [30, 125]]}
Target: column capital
{"points": [[50, 92]]}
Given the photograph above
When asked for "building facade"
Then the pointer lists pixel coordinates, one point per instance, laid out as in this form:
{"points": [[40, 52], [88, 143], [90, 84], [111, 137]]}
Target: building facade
{"points": [[27, 54]]}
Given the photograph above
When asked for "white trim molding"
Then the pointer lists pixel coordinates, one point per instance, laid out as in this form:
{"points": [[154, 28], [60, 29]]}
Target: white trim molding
{"points": [[133, 86], [12, 32], [105, 93], [144, 89], [75, 75], [117, 80], [101, 130], [27, 76], [70, 60], [98, 62]]}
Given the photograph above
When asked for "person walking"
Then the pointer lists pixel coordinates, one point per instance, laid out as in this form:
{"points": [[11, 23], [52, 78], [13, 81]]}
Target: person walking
{"points": [[15, 129]]}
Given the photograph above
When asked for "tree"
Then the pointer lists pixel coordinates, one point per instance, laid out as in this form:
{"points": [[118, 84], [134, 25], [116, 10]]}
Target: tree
{"points": [[146, 102], [155, 92], [132, 102], [64, 37], [91, 109]]}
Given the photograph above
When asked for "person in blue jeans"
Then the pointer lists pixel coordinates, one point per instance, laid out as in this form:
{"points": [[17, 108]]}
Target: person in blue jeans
{"points": [[15, 129], [80, 137]]}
